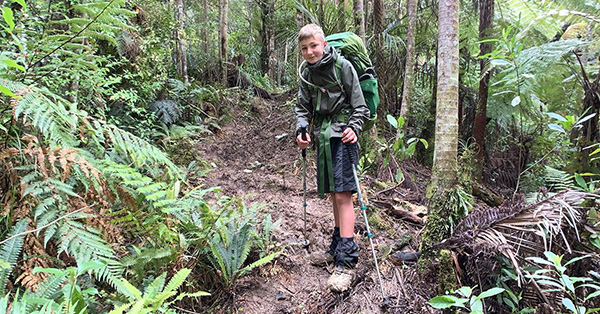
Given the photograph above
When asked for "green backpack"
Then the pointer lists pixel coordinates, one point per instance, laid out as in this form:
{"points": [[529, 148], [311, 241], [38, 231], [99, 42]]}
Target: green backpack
{"points": [[351, 47]]}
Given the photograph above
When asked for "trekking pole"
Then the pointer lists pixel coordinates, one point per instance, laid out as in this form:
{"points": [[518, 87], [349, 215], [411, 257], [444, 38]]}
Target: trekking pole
{"points": [[363, 208], [306, 242]]}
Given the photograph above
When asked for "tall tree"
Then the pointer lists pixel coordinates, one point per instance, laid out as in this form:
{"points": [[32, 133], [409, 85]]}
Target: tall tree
{"points": [[359, 18], [486, 20], [223, 8], [446, 123], [410, 56], [267, 8], [180, 38]]}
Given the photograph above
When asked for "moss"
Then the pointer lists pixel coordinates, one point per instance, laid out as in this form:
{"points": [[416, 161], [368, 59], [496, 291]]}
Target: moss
{"points": [[403, 241], [436, 226], [182, 151], [446, 275]]}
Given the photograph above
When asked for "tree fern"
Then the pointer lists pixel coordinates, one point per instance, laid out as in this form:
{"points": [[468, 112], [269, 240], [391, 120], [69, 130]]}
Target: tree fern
{"points": [[167, 111], [10, 252]]}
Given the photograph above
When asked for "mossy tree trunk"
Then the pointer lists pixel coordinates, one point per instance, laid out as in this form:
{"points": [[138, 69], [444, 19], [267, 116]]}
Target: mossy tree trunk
{"points": [[444, 176], [446, 127]]}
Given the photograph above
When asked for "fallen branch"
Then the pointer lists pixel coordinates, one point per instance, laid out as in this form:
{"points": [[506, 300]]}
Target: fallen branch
{"points": [[406, 215]]}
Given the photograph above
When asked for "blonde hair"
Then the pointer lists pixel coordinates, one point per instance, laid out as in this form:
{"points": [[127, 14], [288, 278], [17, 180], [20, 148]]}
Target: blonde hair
{"points": [[311, 30]]}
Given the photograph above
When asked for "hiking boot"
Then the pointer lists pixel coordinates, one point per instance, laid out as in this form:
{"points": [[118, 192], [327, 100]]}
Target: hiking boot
{"points": [[327, 257], [341, 279]]}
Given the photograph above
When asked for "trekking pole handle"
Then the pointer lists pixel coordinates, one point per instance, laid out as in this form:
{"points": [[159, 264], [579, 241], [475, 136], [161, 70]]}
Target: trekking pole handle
{"points": [[303, 133]]}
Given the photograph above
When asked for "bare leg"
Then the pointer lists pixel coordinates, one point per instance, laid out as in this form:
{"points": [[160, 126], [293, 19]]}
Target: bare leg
{"points": [[336, 211], [343, 204]]}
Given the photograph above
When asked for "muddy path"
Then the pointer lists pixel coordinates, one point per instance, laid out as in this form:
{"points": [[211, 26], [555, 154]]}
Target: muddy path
{"points": [[256, 158]]}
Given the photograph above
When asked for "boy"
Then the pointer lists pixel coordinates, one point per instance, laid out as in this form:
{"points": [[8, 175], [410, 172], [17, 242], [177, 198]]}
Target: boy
{"points": [[332, 99]]}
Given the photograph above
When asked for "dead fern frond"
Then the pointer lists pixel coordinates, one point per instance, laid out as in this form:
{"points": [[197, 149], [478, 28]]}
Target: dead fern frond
{"points": [[34, 250], [517, 231]]}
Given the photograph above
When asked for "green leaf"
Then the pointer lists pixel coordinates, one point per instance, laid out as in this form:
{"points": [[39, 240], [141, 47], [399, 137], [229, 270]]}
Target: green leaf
{"points": [[22, 3], [55, 271], [592, 295], [569, 305], [13, 64], [392, 121], [7, 92], [556, 127], [582, 120], [575, 259], [465, 291], [581, 182], [516, 101], [7, 13], [443, 301], [499, 62], [556, 116], [490, 293], [566, 280]]}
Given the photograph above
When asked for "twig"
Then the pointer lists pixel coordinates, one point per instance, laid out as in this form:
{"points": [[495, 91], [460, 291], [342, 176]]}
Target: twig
{"points": [[538, 161], [183, 310], [389, 188], [44, 226]]}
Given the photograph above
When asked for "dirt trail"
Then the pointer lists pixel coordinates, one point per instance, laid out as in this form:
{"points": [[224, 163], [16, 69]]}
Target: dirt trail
{"points": [[257, 159]]}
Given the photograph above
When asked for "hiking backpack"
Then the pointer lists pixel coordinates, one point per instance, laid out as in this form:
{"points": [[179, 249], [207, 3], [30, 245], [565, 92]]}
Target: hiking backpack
{"points": [[351, 47]]}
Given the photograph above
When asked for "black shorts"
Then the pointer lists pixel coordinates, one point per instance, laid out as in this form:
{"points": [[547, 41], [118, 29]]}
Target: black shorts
{"points": [[342, 156]]}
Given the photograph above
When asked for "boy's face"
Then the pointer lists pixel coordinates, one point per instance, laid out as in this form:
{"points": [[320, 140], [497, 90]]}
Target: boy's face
{"points": [[312, 49]]}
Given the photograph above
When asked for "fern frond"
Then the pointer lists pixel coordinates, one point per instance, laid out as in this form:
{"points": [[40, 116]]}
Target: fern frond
{"points": [[10, 252], [166, 110], [177, 280], [156, 286], [558, 180], [82, 242], [50, 286], [261, 262], [139, 151]]}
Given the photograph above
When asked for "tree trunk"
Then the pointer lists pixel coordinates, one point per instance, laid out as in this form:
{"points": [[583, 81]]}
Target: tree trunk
{"points": [[180, 37], [446, 127], [410, 57], [299, 23], [267, 8], [444, 174], [204, 26], [223, 8], [359, 18], [486, 20]]}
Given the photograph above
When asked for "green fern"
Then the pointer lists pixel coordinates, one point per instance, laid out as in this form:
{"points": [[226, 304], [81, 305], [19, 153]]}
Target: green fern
{"points": [[167, 111], [10, 252], [154, 298], [230, 248], [140, 260]]}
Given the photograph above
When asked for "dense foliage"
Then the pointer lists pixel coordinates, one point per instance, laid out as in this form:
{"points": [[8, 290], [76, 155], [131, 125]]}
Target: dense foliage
{"points": [[97, 205]]}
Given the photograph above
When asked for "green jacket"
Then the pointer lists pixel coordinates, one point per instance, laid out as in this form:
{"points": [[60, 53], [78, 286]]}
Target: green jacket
{"points": [[334, 100]]}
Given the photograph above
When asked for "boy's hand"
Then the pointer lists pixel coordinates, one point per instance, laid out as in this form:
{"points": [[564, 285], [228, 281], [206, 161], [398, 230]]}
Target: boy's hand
{"points": [[349, 136], [303, 144]]}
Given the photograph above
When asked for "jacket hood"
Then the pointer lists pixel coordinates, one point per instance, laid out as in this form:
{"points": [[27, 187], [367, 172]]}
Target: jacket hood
{"points": [[329, 56]]}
